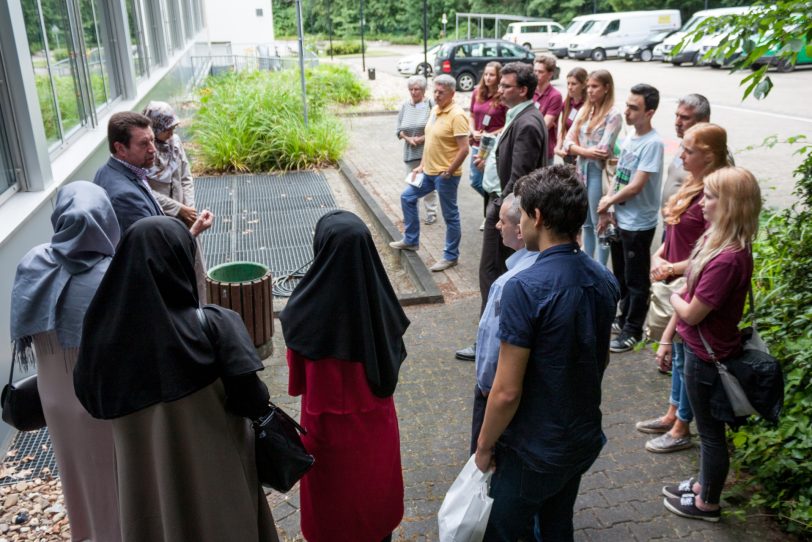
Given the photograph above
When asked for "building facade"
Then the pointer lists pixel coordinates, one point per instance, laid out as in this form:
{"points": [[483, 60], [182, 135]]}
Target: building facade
{"points": [[65, 67]]}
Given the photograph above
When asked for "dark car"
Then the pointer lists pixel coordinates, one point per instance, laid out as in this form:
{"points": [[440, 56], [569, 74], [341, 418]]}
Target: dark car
{"points": [[465, 60], [645, 49]]}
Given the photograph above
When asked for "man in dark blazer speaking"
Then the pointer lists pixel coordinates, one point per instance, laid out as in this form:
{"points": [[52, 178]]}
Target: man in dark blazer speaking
{"points": [[520, 149], [124, 175]]}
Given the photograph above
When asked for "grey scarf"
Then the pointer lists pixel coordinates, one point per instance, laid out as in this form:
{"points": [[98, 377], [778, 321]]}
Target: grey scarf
{"points": [[56, 281]]}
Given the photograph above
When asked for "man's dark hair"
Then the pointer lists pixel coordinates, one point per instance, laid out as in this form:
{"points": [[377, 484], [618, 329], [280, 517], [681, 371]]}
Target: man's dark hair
{"points": [[651, 96], [524, 76], [118, 129], [559, 194]]}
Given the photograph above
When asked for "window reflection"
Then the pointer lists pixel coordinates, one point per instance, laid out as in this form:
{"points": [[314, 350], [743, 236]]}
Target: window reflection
{"points": [[137, 42], [54, 62], [8, 177], [99, 62]]}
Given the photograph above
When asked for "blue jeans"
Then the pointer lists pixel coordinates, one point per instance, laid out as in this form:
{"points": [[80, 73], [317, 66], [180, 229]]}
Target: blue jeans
{"points": [[520, 494], [594, 191], [476, 175], [447, 190], [714, 462], [679, 395]]}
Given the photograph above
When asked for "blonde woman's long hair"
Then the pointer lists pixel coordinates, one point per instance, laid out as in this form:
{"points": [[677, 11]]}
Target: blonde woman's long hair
{"points": [[710, 140], [596, 113], [735, 220]]}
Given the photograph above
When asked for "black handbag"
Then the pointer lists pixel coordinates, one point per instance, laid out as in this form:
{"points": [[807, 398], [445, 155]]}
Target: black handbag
{"points": [[22, 408], [281, 457]]}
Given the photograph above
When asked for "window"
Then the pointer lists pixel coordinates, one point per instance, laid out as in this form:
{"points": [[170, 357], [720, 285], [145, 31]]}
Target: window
{"points": [[512, 51], [555, 29], [99, 61], [486, 49], [613, 26], [138, 47], [462, 51], [52, 48], [74, 68], [8, 171]]}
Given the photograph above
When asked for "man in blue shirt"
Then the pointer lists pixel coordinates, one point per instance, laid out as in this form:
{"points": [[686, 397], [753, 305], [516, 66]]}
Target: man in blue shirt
{"points": [[487, 352], [542, 425], [635, 195]]}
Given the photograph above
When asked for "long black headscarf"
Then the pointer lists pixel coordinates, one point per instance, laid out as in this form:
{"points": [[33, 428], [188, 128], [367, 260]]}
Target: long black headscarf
{"points": [[345, 307], [142, 342]]}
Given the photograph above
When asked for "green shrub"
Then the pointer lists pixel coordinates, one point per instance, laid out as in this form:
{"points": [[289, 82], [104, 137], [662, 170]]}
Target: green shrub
{"points": [[778, 459], [344, 48], [254, 121]]}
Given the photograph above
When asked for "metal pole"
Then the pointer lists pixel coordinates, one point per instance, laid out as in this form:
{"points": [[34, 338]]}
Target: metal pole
{"points": [[301, 58], [425, 38], [330, 16], [363, 55]]}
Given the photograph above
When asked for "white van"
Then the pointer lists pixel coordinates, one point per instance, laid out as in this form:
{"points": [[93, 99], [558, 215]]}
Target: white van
{"points": [[611, 31], [691, 51], [533, 34], [558, 44]]}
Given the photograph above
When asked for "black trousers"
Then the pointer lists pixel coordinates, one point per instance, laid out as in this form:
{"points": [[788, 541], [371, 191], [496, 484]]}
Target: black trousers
{"points": [[631, 260], [494, 252]]}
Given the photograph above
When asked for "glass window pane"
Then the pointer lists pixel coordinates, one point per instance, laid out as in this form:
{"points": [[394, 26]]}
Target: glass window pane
{"points": [[148, 28], [8, 177], [52, 56], [137, 45], [94, 31]]}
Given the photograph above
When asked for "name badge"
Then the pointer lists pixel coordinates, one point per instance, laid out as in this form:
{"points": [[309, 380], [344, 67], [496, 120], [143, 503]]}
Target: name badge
{"points": [[573, 114], [538, 105], [486, 120]]}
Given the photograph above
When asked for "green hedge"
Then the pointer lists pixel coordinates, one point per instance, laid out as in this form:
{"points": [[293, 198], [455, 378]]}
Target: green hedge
{"points": [[254, 122], [778, 460]]}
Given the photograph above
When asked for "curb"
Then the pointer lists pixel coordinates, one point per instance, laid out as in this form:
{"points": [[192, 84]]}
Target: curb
{"points": [[411, 262]]}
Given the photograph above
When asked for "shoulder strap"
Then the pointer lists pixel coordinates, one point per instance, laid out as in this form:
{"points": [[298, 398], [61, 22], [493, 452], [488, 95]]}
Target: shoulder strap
{"points": [[708, 348], [204, 323]]}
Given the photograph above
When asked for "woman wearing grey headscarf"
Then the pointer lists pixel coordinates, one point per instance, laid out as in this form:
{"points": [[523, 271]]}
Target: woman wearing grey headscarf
{"points": [[171, 178], [52, 290]]}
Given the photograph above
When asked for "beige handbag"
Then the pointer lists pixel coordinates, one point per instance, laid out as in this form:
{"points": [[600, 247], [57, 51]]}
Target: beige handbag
{"points": [[660, 309]]}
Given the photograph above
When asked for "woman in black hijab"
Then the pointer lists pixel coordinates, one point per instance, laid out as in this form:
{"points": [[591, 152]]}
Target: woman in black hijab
{"points": [[344, 330], [185, 463]]}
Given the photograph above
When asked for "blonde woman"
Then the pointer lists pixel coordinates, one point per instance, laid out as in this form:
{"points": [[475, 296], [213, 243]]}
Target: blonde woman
{"points": [[719, 276], [592, 140], [704, 151]]}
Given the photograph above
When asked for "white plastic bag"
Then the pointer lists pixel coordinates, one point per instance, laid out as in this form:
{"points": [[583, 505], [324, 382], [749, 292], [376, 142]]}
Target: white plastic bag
{"points": [[466, 507]]}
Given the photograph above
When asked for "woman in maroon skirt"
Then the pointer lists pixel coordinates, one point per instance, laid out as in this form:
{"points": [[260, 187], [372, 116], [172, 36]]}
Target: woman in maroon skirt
{"points": [[344, 328]]}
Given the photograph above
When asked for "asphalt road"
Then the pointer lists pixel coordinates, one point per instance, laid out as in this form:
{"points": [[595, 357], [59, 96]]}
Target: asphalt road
{"points": [[785, 113]]}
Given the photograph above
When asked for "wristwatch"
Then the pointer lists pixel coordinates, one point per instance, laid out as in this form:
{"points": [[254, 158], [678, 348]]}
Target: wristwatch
{"points": [[671, 270]]}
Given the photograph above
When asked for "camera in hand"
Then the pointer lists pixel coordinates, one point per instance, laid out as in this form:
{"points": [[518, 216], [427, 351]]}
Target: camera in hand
{"points": [[609, 235]]}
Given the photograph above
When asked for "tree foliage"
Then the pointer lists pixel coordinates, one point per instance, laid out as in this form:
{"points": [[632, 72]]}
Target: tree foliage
{"points": [[779, 28], [394, 17]]}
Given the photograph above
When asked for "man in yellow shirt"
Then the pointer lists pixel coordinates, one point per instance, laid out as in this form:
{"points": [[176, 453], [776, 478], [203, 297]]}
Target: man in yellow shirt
{"points": [[445, 150]]}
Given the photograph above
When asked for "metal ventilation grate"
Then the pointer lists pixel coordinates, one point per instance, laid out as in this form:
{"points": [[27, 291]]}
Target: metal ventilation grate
{"points": [[29, 456], [269, 219]]}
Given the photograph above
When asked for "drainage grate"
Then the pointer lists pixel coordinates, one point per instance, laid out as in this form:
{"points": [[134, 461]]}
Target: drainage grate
{"points": [[269, 219], [29, 456]]}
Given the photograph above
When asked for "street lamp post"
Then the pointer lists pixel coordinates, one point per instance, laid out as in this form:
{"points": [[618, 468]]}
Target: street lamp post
{"points": [[301, 58], [363, 56], [425, 38]]}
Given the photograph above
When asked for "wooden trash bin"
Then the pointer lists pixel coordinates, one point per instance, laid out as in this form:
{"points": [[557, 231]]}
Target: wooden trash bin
{"points": [[245, 288]]}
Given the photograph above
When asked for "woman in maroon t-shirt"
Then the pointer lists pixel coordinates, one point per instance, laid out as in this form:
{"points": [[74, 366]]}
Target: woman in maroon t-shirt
{"points": [[576, 96], [704, 151], [718, 280], [487, 117]]}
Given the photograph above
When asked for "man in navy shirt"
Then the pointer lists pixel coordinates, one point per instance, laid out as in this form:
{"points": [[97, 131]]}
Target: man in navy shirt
{"points": [[542, 427]]}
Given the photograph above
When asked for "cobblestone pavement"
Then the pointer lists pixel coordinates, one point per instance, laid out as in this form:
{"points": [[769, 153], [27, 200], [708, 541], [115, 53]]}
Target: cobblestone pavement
{"points": [[620, 496]]}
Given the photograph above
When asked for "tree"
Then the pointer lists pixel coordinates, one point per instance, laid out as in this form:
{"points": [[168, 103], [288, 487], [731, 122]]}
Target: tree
{"points": [[779, 29]]}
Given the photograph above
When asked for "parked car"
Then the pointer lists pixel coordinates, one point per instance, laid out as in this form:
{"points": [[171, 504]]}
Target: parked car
{"points": [[558, 44], [533, 34], [611, 31], [414, 65], [645, 49], [690, 51], [802, 58], [657, 52], [465, 60]]}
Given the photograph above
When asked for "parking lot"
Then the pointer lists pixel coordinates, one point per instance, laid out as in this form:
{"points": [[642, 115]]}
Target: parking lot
{"points": [[784, 113]]}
